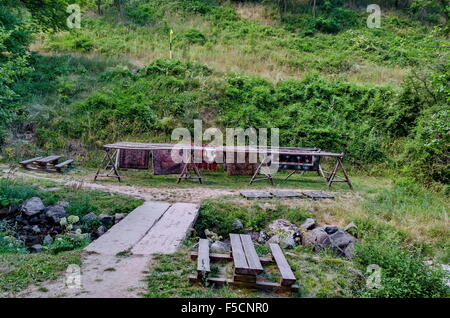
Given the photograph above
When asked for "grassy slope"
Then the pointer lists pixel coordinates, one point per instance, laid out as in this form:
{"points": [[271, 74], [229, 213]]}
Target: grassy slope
{"points": [[235, 43]]}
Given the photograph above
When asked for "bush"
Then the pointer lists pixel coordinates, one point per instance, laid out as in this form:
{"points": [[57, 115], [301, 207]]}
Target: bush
{"points": [[403, 271], [12, 193], [8, 243], [81, 206], [191, 36], [68, 242], [143, 13]]}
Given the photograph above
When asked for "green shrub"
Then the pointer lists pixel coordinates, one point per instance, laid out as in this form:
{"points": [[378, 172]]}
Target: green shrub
{"points": [[404, 273], [191, 36], [8, 243], [80, 206], [68, 242], [13, 193], [143, 13], [90, 225]]}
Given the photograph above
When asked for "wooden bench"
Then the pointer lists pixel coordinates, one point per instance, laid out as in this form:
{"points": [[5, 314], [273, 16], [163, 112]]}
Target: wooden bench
{"points": [[61, 165], [246, 260], [287, 276], [25, 163], [203, 267]]}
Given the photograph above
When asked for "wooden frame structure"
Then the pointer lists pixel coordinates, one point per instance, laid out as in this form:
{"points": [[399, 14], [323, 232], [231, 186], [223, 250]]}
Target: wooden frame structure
{"points": [[247, 265], [109, 161]]}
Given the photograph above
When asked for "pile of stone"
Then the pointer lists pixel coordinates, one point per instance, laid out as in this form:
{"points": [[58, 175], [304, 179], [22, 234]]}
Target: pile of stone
{"points": [[288, 235], [37, 225]]}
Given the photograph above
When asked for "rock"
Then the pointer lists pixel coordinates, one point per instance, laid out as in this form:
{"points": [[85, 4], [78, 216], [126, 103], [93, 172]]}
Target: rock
{"points": [[55, 213], [309, 224], [47, 240], [106, 219], [348, 251], [283, 241], [341, 239], [35, 220], [341, 242], [446, 268], [237, 225], [36, 248], [318, 238], [119, 217], [32, 206], [63, 204], [88, 217], [263, 237], [36, 229], [219, 247], [21, 220], [285, 231], [331, 229], [101, 230], [211, 236]]}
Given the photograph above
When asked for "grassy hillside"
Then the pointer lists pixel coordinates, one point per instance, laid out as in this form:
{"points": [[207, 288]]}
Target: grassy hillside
{"points": [[380, 95]]}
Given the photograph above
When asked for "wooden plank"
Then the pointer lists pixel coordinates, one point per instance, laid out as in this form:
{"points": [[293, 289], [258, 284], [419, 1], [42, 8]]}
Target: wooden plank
{"points": [[240, 261], [125, 234], [317, 195], [250, 253], [169, 232], [256, 194], [203, 257], [63, 164], [26, 162], [287, 276], [48, 159], [286, 194]]}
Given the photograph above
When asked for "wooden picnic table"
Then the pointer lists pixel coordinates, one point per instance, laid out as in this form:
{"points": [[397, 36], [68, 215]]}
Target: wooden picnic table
{"points": [[50, 163]]}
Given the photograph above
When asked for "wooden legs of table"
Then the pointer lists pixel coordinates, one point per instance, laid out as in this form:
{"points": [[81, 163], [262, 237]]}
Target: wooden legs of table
{"points": [[302, 172], [186, 173], [108, 162], [264, 169], [333, 176]]}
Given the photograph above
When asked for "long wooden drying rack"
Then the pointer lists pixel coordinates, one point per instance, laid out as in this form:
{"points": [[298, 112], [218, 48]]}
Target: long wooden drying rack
{"points": [[111, 153]]}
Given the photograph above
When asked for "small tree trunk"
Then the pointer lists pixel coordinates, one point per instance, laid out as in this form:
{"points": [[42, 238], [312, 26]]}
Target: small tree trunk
{"points": [[314, 9]]}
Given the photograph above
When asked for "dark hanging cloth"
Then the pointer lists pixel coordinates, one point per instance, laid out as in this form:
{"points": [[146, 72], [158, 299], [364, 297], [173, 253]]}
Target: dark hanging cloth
{"points": [[163, 163], [299, 162], [203, 160], [241, 169], [133, 159]]}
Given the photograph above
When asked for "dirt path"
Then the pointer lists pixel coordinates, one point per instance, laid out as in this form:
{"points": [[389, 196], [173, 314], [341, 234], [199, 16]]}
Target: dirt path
{"points": [[190, 195]]}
